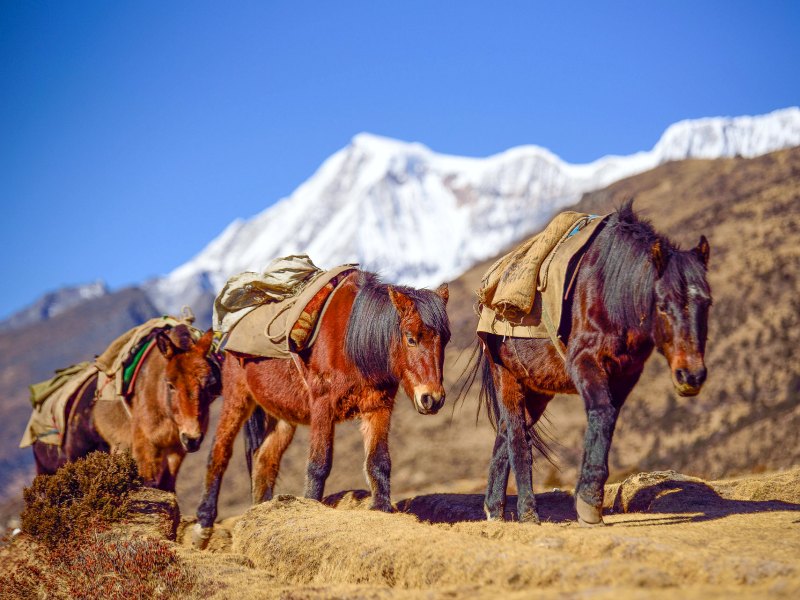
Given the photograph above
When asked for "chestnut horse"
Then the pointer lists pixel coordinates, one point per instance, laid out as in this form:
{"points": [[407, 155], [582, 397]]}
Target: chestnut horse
{"points": [[373, 339], [634, 291], [167, 415]]}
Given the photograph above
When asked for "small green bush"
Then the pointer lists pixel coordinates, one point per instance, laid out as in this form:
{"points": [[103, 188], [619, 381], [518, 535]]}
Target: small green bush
{"points": [[89, 493]]}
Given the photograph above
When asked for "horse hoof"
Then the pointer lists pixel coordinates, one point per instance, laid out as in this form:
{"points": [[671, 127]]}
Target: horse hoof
{"points": [[200, 536], [588, 515], [387, 508], [530, 516], [493, 515]]}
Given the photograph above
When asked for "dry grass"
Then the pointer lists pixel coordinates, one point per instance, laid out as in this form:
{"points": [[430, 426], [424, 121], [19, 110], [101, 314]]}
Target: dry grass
{"points": [[694, 539]]}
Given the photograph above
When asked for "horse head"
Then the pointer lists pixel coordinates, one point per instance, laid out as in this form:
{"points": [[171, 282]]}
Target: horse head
{"points": [[191, 379], [682, 301], [418, 354]]}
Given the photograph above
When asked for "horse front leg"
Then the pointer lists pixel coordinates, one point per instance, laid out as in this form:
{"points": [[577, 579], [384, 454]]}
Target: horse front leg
{"points": [[494, 505], [170, 474], [378, 463], [267, 460], [601, 419], [512, 410], [234, 412], [149, 458], [320, 455]]}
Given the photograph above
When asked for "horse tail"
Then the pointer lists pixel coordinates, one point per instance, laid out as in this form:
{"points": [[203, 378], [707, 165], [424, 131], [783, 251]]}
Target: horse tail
{"points": [[255, 432], [479, 364], [538, 435]]}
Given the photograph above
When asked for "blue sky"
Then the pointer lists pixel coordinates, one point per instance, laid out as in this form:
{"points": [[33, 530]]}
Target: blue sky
{"points": [[132, 133]]}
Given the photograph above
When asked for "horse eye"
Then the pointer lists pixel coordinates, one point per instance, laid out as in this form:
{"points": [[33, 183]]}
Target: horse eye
{"points": [[410, 339]]}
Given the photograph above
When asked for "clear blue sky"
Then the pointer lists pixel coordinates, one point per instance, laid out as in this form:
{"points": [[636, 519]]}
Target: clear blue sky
{"points": [[132, 133]]}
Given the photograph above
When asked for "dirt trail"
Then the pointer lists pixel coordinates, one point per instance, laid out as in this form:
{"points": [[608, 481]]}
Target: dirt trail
{"points": [[688, 537]]}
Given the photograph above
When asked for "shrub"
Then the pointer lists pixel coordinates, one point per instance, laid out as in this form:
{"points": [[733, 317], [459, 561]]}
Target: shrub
{"points": [[86, 494], [66, 550], [94, 567]]}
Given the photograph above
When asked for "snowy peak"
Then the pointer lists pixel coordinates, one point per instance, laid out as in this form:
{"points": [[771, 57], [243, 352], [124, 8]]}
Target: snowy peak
{"points": [[729, 137], [419, 217]]}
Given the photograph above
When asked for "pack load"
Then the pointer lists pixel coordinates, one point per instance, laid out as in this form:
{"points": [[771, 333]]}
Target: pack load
{"points": [[522, 294], [51, 401], [275, 313], [115, 369]]}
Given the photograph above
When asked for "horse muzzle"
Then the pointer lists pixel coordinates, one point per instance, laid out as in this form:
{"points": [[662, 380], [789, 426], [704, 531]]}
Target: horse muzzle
{"points": [[189, 443], [428, 402], [688, 383]]}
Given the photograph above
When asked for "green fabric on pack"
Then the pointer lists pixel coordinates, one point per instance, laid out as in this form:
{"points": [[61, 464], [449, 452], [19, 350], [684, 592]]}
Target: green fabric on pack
{"points": [[128, 372]]}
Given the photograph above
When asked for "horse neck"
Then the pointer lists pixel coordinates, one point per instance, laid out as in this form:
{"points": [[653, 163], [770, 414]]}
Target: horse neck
{"points": [[371, 357], [625, 298], [150, 388]]}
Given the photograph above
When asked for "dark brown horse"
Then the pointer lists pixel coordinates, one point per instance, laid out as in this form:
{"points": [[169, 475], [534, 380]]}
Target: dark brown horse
{"points": [[167, 415], [634, 291], [373, 339]]}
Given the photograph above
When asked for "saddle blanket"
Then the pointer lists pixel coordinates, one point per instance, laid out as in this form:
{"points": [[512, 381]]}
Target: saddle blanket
{"points": [[277, 329], [523, 293], [51, 401]]}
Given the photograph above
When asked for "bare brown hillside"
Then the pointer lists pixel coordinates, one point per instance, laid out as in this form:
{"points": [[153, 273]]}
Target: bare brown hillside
{"points": [[746, 419]]}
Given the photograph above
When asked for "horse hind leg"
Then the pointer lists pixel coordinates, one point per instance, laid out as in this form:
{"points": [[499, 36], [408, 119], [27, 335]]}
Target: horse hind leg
{"points": [[267, 459], [494, 504], [513, 412]]}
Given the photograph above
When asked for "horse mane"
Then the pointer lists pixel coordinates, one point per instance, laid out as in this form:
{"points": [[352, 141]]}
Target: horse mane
{"points": [[374, 325], [628, 272]]}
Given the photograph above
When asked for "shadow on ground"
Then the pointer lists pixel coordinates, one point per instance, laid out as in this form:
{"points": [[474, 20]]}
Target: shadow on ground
{"points": [[683, 498]]}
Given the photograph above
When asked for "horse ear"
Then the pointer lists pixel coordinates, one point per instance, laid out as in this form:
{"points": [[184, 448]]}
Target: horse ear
{"points": [[165, 345], [204, 343], [703, 250], [660, 257], [443, 292], [401, 302]]}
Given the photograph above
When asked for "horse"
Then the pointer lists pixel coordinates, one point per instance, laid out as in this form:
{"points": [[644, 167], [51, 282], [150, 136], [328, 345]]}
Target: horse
{"points": [[634, 291], [373, 339], [167, 417]]}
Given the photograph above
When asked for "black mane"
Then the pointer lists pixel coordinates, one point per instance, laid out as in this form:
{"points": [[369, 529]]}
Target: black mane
{"points": [[374, 324], [628, 271]]}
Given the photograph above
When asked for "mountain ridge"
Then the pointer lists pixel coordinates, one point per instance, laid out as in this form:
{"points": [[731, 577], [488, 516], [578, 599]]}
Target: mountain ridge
{"points": [[420, 217]]}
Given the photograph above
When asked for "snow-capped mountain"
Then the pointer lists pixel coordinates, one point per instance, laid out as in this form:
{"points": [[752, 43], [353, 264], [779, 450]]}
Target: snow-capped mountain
{"points": [[54, 303], [421, 218]]}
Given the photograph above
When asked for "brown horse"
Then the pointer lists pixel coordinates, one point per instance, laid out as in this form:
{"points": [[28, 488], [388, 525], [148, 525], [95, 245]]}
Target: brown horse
{"points": [[634, 291], [167, 415], [373, 339]]}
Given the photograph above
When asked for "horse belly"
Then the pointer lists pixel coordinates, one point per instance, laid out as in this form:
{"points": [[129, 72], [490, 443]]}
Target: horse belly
{"points": [[277, 388], [537, 364], [113, 424]]}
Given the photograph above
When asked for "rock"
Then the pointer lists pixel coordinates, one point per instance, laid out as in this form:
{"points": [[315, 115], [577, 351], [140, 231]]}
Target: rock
{"points": [[663, 491], [153, 513]]}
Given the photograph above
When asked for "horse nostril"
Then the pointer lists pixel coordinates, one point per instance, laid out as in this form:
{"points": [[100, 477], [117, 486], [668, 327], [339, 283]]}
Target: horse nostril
{"points": [[191, 443], [681, 376], [427, 401], [700, 376]]}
